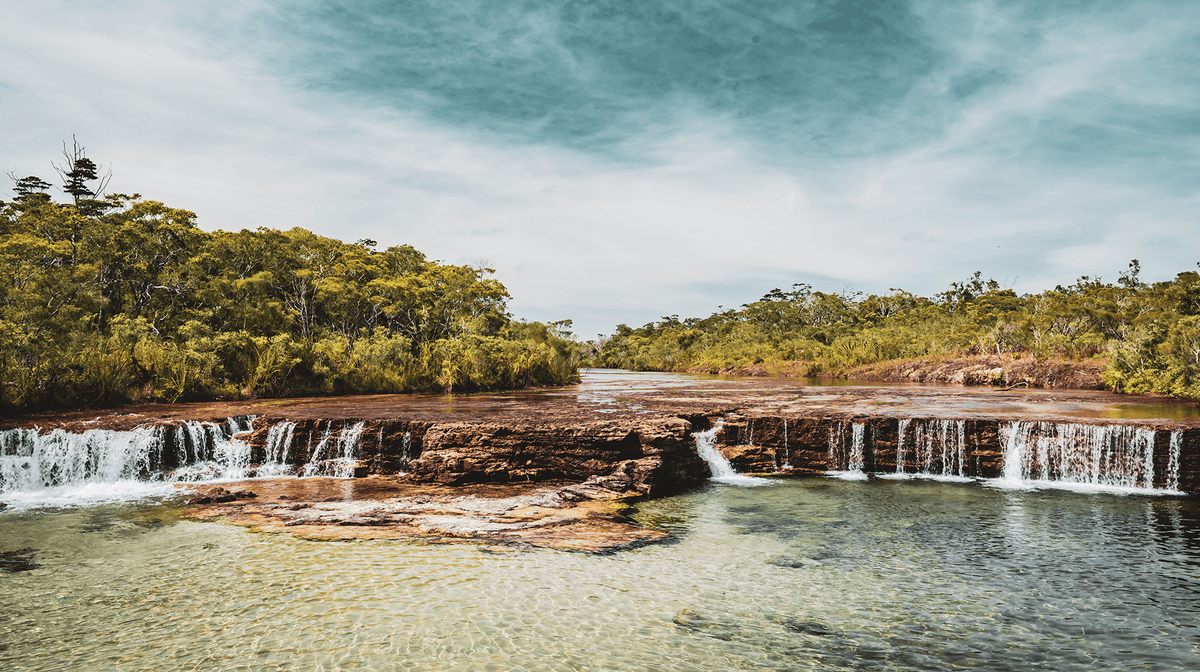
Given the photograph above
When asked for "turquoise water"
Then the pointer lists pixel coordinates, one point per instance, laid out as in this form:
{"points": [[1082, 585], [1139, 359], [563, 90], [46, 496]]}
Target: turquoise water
{"points": [[816, 574]]}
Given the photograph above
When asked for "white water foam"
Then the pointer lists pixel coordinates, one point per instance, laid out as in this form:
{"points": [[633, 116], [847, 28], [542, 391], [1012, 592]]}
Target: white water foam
{"points": [[1088, 458], [939, 450], [62, 468], [722, 471], [89, 494], [339, 463], [853, 458], [277, 449]]}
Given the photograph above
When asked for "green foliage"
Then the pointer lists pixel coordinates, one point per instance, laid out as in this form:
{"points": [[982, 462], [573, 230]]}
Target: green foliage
{"points": [[1148, 333], [118, 300]]}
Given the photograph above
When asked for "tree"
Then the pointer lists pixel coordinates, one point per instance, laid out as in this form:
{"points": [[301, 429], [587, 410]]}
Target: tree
{"points": [[30, 188], [78, 171], [108, 299]]}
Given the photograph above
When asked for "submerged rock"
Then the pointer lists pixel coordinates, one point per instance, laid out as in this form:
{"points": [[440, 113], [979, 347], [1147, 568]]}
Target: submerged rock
{"points": [[220, 496], [690, 620], [17, 560], [586, 516], [794, 562], [807, 627]]}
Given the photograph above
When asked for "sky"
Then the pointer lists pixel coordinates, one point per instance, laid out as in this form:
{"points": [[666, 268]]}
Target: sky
{"points": [[620, 161]]}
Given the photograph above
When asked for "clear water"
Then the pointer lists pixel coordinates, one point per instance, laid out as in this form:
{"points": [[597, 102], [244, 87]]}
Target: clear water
{"points": [[813, 574]]}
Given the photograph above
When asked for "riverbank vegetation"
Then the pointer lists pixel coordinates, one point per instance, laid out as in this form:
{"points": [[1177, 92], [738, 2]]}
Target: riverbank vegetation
{"points": [[114, 299], [1128, 336]]}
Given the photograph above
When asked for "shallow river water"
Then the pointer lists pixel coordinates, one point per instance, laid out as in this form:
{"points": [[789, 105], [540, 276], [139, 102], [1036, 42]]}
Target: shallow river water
{"points": [[820, 574]]}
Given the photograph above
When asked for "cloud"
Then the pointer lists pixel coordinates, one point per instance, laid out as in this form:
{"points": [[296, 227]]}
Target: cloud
{"points": [[618, 162]]}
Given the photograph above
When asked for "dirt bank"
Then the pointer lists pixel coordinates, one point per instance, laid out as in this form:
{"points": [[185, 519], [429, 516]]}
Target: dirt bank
{"points": [[992, 370]]}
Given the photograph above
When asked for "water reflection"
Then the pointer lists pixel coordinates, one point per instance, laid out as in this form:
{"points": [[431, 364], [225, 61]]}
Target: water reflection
{"points": [[1176, 411]]}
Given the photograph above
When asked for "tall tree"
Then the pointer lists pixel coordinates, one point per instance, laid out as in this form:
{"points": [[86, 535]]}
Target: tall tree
{"points": [[78, 171]]}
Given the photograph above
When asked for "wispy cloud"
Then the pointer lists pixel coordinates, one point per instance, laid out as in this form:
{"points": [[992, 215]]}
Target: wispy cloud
{"points": [[620, 162]]}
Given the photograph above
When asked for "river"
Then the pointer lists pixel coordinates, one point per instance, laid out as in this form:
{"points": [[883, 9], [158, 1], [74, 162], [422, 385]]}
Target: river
{"points": [[819, 573]]}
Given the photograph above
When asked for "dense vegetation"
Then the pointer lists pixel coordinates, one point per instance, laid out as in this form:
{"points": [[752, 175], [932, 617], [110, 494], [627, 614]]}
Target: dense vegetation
{"points": [[1146, 336], [114, 299]]}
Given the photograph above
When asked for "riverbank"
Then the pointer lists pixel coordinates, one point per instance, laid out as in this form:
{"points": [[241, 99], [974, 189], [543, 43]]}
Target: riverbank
{"points": [[1004, 370]]}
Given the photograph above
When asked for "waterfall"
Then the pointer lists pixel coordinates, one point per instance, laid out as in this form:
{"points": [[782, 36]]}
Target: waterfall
{"points": [[1105, 456], [960, 456], [205, 453], [32, 461], [277, 449], [722, 471], [341, 463], [314, 464], [240, 424], [939, 449], [347, 442], [1176, 446], [846, 463], [63, 468], [855, 463]]}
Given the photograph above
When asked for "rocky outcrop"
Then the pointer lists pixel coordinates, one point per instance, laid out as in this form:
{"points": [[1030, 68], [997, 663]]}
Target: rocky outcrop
{"points": [[555, 484], [588, 516], [656, 455]]}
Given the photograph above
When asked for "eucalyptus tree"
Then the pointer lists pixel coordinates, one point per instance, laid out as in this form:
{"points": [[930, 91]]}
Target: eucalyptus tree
{"points": [[112, 298]]}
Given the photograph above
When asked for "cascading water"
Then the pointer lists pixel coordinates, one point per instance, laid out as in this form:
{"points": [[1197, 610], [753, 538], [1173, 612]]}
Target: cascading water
{"points": [[900, 455], [240, 424], [1104, 456], [347, 442], [277, 450], [341, 463], [314, 464], [32, 461], [722, 471], [939, 449], [65, 468], [206, 454], [855, 463], [1175, 446], [847, 462]]}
